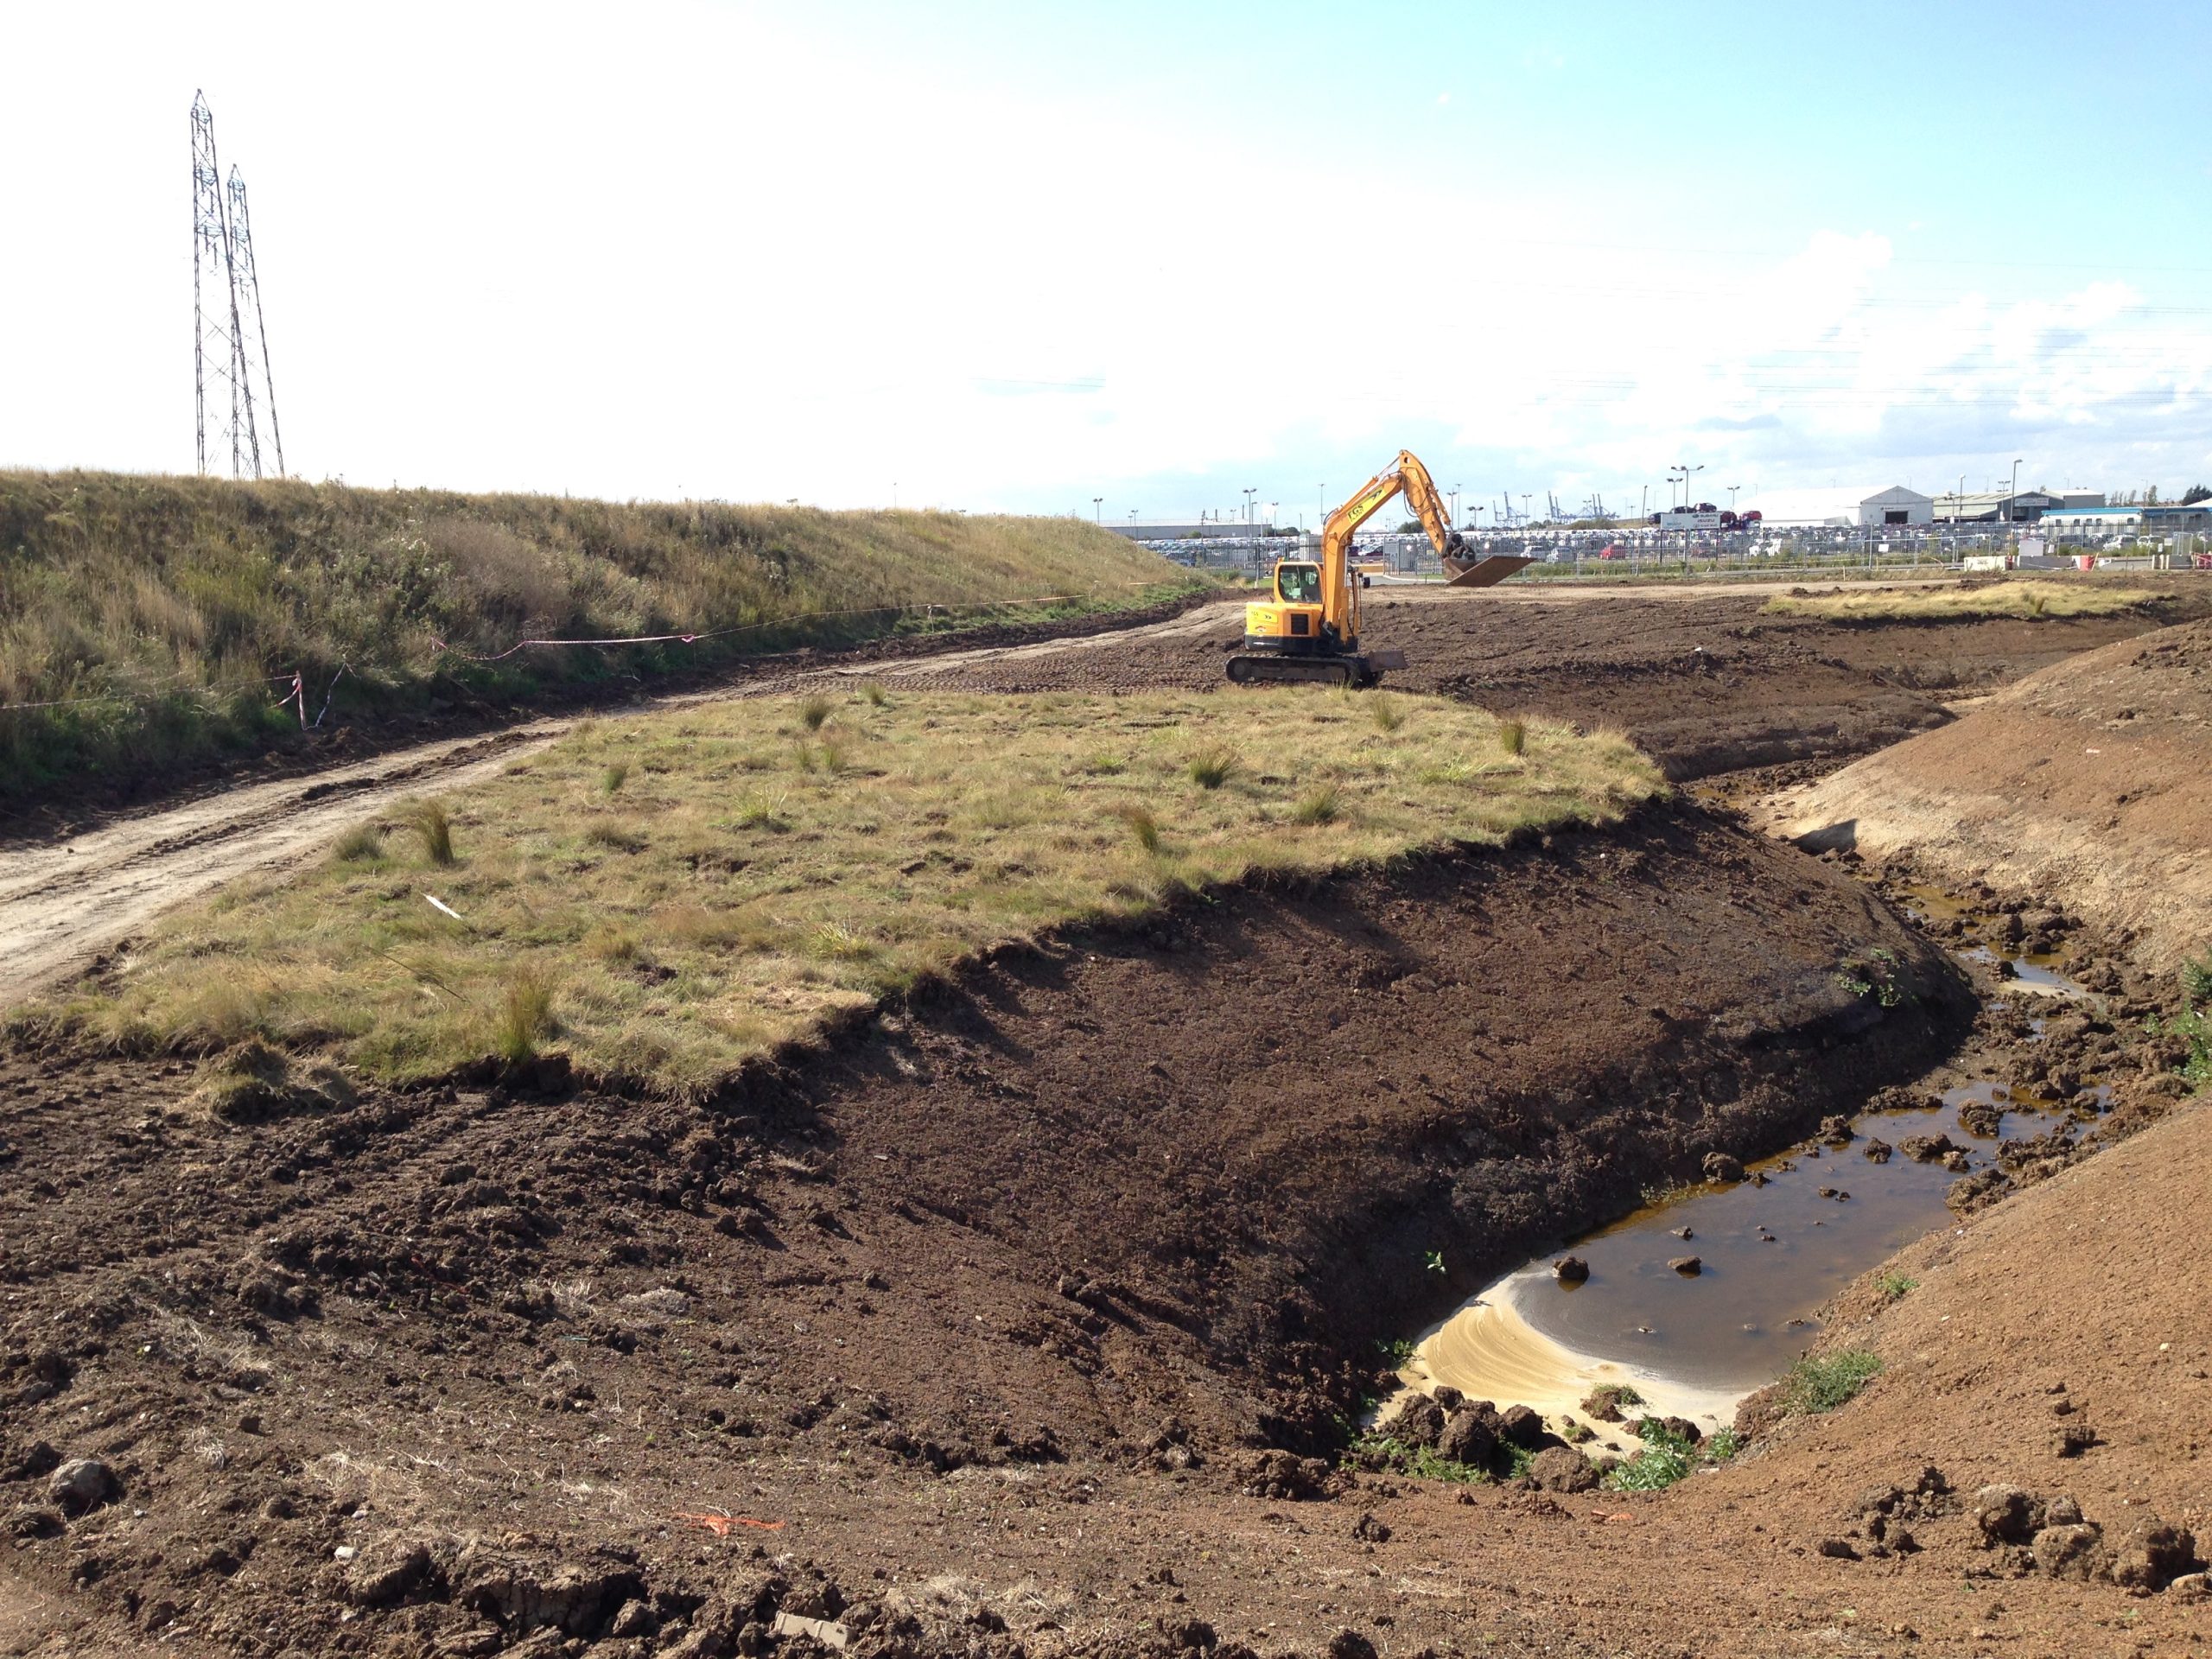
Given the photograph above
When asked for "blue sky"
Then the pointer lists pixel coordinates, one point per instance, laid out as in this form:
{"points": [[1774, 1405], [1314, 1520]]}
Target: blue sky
{"points": [[997, 256]]}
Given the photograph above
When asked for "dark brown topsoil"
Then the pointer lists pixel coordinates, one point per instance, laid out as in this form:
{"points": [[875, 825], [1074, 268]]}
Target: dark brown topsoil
{"points": [[1000, 1308], [1145, 1199]]}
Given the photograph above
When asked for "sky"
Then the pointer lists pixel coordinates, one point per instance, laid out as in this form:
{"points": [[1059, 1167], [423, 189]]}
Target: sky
{"points": [[1133, 257]]}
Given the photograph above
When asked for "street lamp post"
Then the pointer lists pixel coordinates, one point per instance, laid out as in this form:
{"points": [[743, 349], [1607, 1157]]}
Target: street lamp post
{"points": [[1098, 509], [2011, 501], [1249, 493]]}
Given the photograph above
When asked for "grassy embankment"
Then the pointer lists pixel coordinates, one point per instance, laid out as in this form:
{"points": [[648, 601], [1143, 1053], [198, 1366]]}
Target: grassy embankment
{"points": [[155, 609], [663, 897], [2027, 601]]}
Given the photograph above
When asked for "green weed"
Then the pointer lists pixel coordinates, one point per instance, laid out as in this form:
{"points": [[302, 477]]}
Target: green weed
{"points": [[1822, 1383], [1892, 1287], [1665, 1458], [1420, 1462], [1433, 1260], [1398, 1351], [611, 780]]}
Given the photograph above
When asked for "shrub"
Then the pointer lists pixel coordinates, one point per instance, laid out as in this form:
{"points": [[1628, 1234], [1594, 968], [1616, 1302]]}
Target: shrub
{"points": [[1143, 825], [363, 843], [1512, 735], [1665, 1458], [525, 1015], [815, 711], [428, 819], [1384, 711], [1319, 805], [1822, 1383], [1421, 1462], [611, 780], [1211, 768]]}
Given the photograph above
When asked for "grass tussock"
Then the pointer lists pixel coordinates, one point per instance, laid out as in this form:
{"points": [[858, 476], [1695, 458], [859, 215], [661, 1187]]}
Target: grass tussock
{"points": [[1143, 825], [362, 844], [156, 612], [1319, 805], [2025, 601], [433, 827], [1210, 768], [525, 1015], [1512, 735], [761, 898]]}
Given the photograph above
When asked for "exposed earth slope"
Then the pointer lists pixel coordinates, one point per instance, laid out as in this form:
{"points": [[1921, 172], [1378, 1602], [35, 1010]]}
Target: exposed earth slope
{"points": [[2091, 778]]}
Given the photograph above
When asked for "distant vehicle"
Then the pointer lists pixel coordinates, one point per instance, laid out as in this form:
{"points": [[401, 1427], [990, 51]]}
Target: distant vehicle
{"points": [[1752, 517], [1609, 551]]}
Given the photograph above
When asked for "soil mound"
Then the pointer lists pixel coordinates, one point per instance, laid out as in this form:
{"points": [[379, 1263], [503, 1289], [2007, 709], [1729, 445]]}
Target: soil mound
{"points": [[2089, 782], [454, 1368]]}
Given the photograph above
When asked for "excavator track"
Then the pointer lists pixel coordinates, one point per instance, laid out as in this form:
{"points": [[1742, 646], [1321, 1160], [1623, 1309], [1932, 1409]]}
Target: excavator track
{"points": [[1252, 669]]}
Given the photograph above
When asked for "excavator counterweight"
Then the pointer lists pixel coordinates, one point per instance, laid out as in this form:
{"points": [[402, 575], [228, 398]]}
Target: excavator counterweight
{"points": [[1308, 630]]}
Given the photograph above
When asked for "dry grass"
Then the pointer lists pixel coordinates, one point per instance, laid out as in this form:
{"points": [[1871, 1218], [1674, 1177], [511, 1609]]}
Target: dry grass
{"points": [[2027, 601], [149, 607], [763, 896]]}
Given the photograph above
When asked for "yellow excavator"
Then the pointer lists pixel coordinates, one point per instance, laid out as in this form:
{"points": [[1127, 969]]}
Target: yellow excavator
{"points": [[1309, 631]]}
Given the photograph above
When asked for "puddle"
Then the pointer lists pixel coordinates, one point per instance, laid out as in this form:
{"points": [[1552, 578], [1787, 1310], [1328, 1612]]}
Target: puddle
{"points": [[1769, 1255], [1770, 1252]]}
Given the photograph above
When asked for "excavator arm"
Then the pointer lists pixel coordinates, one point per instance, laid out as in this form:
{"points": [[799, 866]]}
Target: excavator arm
{"points": [[1404, 476], [1308, 630]]}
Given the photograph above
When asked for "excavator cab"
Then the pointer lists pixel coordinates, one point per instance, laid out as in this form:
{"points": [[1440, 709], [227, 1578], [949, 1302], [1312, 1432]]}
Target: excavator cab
{"points": [[1294, 623]]}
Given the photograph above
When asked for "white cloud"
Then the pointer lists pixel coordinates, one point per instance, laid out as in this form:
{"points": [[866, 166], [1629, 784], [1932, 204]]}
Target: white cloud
{"points": [[686, 249]]}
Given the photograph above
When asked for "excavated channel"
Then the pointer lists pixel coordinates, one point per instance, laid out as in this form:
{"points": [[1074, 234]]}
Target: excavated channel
{"points": [[1706, 1293]]}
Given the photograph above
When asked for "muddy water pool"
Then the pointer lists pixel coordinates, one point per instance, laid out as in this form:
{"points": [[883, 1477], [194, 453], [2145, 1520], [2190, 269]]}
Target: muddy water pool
{"points": [[1770, 1250]]}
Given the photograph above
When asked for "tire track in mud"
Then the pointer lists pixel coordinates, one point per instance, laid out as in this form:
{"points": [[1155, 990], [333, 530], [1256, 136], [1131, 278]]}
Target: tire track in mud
{"points": [[63, 902]]}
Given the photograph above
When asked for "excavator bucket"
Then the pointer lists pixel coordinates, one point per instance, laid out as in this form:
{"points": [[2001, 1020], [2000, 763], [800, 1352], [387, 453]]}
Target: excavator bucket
{"points": [[1484, 572]]}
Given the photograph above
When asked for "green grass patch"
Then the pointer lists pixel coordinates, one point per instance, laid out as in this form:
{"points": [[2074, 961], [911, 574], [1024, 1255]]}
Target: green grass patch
{"points": [[2025, 601], [744, 893], [1894, 1286], [1818, 1384]]}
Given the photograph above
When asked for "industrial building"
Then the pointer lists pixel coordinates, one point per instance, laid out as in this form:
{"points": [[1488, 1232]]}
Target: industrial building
{"points": [[1857, 508], [2004, 507]]}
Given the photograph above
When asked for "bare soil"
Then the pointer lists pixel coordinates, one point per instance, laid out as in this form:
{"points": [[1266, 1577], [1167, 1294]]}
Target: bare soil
{"points": [[2093, 777], [1021, 1318], [1705, 683]]}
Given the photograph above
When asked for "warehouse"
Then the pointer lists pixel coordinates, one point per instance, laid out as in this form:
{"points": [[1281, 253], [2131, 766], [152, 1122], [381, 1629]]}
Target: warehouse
{"points": [[1838, 508], [2002, 506]]}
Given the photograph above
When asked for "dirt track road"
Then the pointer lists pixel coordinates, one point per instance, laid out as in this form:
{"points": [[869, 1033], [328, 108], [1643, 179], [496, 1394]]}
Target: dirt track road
{"points": [[63, 902]]}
